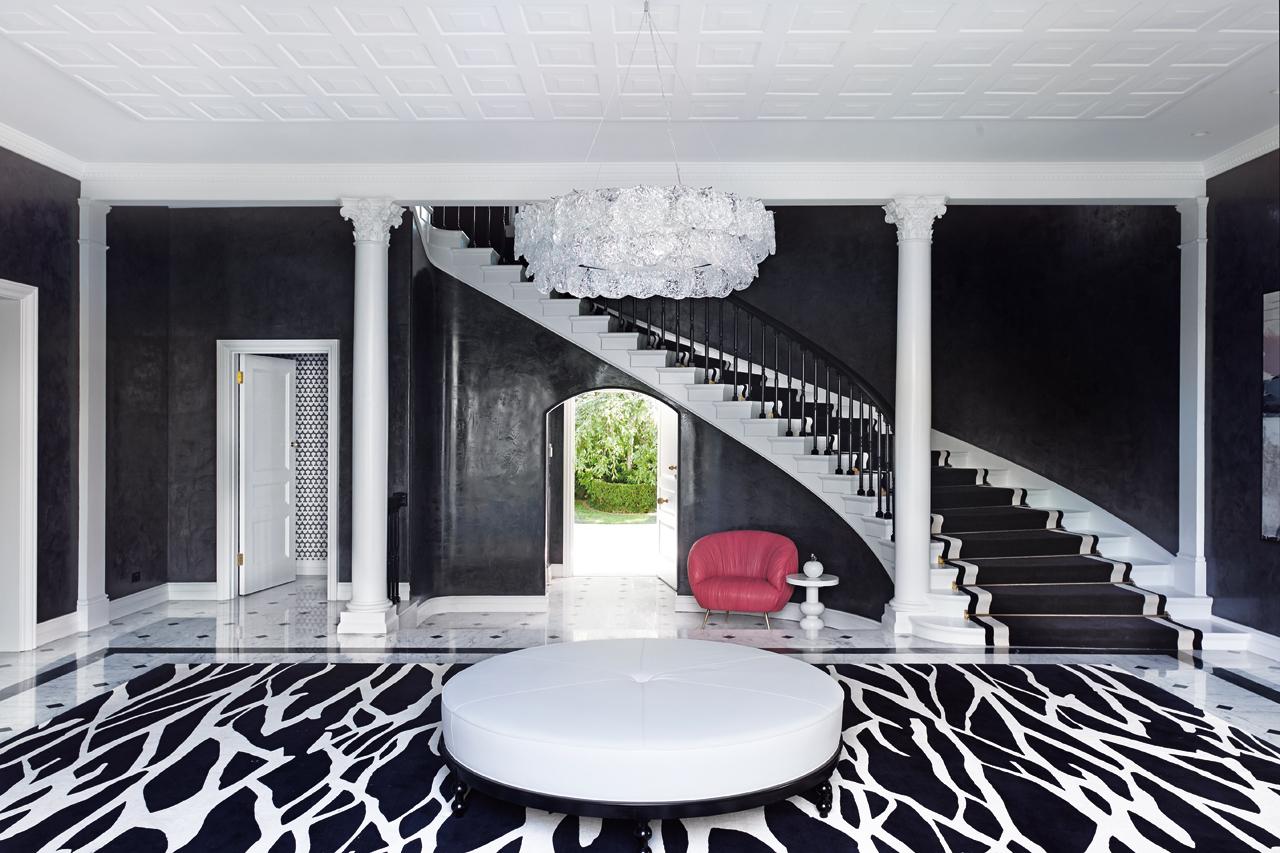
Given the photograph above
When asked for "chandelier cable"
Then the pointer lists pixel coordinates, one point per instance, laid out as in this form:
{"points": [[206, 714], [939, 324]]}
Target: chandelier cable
{"points": [[662, 90], [706, 133]]}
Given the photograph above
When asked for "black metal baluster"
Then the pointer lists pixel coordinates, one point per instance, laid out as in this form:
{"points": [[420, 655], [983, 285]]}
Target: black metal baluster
{"points": [[662, 322], [862, 445], [691, 362], [889, 474], [814, 452], [737, 393], [777, 401], [826, 409], [751, 376], [790, 414], [764, 360], [707, 376], [878, 473], [839, 423], [803, 424], [720, 323]]}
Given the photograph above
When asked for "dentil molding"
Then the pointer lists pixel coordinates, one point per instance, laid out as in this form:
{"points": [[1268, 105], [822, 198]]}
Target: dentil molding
{"points": [[914, 215], [372, 218]]}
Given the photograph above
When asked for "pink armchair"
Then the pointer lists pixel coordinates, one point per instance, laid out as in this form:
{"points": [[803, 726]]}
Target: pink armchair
{"points": [[743, 570]]}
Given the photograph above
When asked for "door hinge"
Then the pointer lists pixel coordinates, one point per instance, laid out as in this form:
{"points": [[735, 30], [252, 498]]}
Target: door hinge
{"points": [[239, 377], [239, 559]]}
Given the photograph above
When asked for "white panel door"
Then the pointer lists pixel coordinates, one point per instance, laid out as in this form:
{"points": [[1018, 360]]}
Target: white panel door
{"points": [[266, 472], [668, 492]]}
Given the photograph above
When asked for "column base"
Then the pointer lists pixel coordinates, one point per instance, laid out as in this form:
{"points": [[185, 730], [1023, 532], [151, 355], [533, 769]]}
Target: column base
{"points": [[1190, 574], [375, 620], [93, 612], [898, 615]]}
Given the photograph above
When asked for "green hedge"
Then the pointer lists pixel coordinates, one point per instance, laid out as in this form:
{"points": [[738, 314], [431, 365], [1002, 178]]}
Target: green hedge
{"points": [[621, 497]]}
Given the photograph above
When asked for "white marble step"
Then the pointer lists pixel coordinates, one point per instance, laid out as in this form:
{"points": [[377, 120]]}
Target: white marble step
{"points": [[448, 239], [560, 307], [502, 274], [475, 257], [585, 324], [525, 292], [620, 340]]}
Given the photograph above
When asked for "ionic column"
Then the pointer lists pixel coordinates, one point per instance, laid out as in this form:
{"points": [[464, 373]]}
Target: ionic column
{"points": [[1189, 569], [91, 595], [369, 611], [913, 413]]}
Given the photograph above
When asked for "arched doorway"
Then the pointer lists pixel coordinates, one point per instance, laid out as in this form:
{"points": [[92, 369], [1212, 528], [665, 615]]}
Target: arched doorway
{"points": [[613, 500]]}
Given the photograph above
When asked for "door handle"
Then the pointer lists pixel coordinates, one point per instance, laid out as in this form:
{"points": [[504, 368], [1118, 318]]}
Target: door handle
{"points": [[663, 501], [671, 467]]}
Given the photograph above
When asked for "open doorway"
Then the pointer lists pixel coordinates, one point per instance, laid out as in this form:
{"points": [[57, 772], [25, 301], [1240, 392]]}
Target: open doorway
{"points": [[278, 411], [618, 452], [18, 377]]}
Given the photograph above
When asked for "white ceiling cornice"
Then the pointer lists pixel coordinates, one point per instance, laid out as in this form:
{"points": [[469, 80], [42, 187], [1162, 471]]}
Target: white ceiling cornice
{"points": [[33, 149], [1242, 152], [502, 183]]}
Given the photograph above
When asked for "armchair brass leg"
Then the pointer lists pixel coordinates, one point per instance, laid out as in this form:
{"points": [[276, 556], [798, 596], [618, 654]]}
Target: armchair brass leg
{"points": [[705, 617], [766, 622], [726, 618]]}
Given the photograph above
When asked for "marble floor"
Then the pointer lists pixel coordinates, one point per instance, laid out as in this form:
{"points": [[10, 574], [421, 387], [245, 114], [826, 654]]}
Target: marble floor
{"points": [[294, 622]]}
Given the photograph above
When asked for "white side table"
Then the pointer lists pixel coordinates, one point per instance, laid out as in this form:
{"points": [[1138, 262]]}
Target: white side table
{"points": [[812, 608]]}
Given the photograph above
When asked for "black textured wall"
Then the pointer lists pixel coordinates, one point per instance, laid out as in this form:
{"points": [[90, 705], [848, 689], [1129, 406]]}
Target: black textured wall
{"points": [[1055, 334], [39, 229], [835, 280], [270, 273], [1244, 262], [137, 515], [485, 378]]}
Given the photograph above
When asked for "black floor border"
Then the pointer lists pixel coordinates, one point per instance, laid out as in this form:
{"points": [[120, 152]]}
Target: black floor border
{"points": [[55, 671]]}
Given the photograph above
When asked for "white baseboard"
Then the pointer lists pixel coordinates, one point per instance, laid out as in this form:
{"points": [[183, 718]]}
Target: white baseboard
{"points": [[485, 604], [196, 591], [791, 613], [1260, 642], [57, 627], [481, 604], [312, 567], [141, 600], [555, 570]]}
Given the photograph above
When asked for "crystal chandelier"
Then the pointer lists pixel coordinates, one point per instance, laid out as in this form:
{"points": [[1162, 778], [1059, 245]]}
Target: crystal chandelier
{"points": [[644, 241]]}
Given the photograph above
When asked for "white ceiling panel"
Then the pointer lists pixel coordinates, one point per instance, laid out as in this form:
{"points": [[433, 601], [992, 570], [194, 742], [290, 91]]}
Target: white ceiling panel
{"points": [[148, 71]]}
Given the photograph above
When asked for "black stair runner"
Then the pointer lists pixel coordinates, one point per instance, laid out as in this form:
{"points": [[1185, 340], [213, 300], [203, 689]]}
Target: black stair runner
{"points": [[1030, 583]]}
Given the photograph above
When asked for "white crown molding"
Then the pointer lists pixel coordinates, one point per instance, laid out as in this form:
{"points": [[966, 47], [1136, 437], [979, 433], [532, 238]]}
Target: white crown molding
{"points": [[33, 149], [504, 183], [1242, 152]]}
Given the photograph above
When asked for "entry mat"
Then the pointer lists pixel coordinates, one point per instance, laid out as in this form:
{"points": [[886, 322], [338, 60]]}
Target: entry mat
{"points": [[345, 757]]}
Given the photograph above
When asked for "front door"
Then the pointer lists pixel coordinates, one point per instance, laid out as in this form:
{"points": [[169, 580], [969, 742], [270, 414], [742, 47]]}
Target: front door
{"points": [[668, 492], [266, 494]]}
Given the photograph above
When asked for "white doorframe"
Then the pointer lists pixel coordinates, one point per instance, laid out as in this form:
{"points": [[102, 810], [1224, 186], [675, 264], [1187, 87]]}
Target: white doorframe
{"points": [[566, 493], [228, 435], [24, 590]]}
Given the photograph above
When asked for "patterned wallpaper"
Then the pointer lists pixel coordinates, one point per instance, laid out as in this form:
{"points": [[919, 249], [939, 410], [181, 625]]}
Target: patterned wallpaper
{"points": [[311, 519]]}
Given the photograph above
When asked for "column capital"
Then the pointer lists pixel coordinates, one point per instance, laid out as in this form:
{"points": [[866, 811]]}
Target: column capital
{"points": [[93, 220], [1194, 216], [372, 218], [914, 215]]}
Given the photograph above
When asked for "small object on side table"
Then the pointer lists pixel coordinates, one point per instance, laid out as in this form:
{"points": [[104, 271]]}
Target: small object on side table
{"points": [[812, 608], [813, 568]]}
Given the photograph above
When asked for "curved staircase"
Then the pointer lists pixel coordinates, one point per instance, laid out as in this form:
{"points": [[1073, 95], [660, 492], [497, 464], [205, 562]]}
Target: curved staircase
{"points": [[1008, 573]]}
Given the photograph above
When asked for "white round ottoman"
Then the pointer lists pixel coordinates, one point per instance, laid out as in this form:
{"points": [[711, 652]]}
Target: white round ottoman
{"points": [[642, 729]]}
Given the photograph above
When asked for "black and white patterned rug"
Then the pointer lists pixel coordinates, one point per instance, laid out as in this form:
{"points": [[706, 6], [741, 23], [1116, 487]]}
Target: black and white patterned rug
{"points": [[344, 757]]}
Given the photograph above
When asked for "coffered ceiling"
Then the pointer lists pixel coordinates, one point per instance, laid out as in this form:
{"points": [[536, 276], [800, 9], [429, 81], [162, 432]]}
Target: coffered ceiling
{"points": [[503, 81]]}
